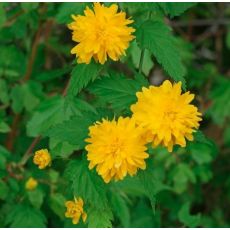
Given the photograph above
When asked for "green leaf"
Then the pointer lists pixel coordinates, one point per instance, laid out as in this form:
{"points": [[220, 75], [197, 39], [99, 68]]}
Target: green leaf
{"points": [[52, 74], [152, 185], [61, 149], [49, 113], [4, 128], [81, 76], [57, 204], [120, 208], [4, 95], [220, 107], [201, 138], [201, 153], [136, 54], [186, 218], [28, 6], [175, 8], [86, 183], [4, 154], [2, 15], [67, 9], [24, 216], [73, 131], [26, 96], [36, 197], [156, 37], [100, 218], [4, 190], [181, 176], [228, 38], [118, 90]]}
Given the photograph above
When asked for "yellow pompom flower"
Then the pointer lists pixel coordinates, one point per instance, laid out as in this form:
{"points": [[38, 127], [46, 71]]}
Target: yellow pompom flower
{"points": [[166, 115], [42, 158], [75, 210], [31, 184], [116, 148], [101, 32]]}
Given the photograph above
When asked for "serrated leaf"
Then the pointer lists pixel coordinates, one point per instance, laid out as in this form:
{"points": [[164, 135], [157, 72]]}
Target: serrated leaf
{"points": [[73, 131], [156, 37], [4, 95], [4, 127], [175, 8], [201, 138], [49, 113], [28, 6], [52, 74], [61, 149], [118, 90], [135, 52], [120, 208], [151, 184], [67, 9], [26, 96], [36, 197], [86, 183], [2, 15], [4, 190], [181, 175], [220, 107], [186, 218], [201, 153], [4, 154], [81, 76], [24, 216], [100, 218], [57, 204]]}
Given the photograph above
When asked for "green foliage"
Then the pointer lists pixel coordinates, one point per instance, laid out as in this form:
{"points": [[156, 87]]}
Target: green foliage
{"points": [[120, 207], [220, 108], [186, 218], [155, 36], [48, 100], [82, 75], [74, 131], [117, 90], [25, 216], [151, 184], [100, 218], [174, 9], [94, 189]]}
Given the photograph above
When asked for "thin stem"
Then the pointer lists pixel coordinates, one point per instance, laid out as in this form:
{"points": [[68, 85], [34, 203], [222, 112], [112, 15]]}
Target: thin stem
{"points": [[29, 151]]}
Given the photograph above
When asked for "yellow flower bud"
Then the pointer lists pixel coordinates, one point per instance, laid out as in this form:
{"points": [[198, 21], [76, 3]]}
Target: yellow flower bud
{"points": [[31, 184], [42, 158], [75, 210]]}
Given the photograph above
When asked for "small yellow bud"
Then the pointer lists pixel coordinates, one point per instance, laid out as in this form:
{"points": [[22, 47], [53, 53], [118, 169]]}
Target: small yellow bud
{"points": [[75, 210], [31, 184], [42, 158]]}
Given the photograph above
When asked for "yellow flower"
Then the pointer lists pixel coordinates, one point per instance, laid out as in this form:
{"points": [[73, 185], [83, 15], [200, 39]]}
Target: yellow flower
{"points": [[116, 148], [75, 210], [42, 158], [101, 32], [31, 184], [166, 115]]}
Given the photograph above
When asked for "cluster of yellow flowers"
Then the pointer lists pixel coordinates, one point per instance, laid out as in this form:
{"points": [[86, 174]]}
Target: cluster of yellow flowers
{"points": [[162, 115]]}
